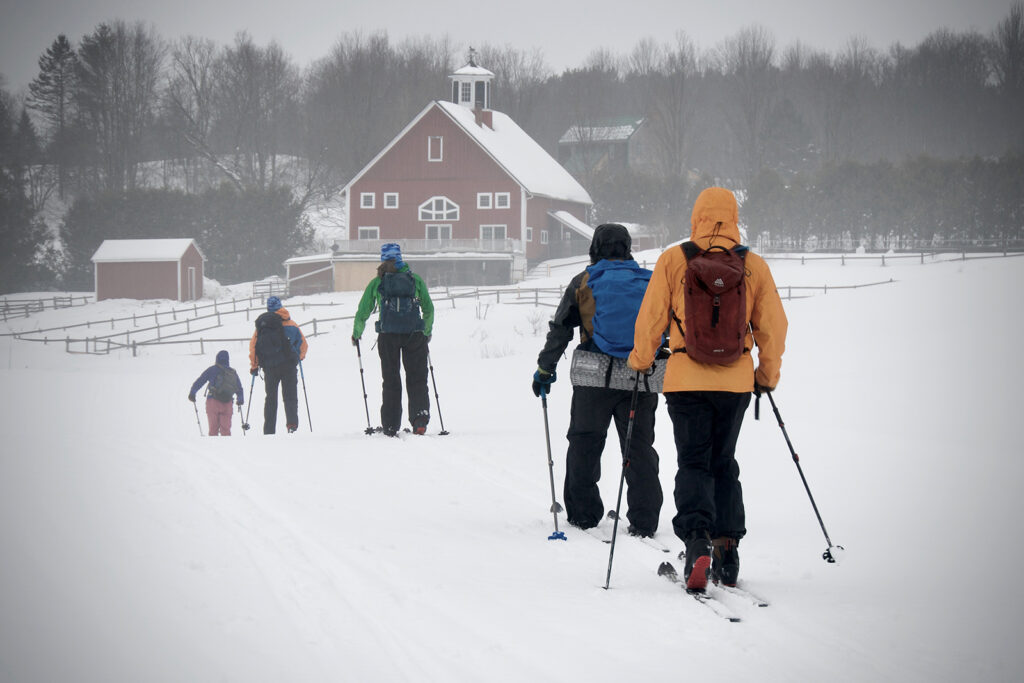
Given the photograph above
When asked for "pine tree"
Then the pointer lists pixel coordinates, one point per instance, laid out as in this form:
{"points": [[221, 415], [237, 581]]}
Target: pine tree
{"points": [[51, 94]]}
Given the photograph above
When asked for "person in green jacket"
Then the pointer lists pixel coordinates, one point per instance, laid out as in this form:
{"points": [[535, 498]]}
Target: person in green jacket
{"points": [[404, 325]]}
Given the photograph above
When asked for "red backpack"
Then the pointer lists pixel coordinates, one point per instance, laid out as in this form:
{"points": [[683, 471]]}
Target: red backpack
{"points": [[715, 299]]}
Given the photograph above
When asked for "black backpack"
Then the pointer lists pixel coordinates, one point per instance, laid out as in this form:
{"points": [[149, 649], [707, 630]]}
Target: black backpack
{"points": [[399, 308], [715, 304], [272, 346], [224, 385]]}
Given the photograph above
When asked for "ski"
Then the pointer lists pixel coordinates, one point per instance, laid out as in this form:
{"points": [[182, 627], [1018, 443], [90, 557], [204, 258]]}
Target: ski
{"points": [[735, 590], [745, 594], [703, 597], [646, 540]]}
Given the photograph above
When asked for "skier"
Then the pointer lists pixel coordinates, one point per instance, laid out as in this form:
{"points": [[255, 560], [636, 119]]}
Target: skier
{"points": [[404, 326], [706, 401], [606, 295], [222, 384], [277, 346]]}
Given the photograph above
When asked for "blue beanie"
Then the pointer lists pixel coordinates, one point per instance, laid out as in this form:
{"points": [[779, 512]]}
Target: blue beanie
{"points": [[273, 303], [392, 252]]}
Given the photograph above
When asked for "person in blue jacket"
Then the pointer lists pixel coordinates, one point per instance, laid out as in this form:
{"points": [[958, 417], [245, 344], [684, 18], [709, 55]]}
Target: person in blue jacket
{"points": [[222, 384], [602, 302]]}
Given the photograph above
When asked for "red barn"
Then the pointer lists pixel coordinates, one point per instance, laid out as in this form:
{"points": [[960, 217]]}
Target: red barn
{"points": [[149, 269], [465, 181]]}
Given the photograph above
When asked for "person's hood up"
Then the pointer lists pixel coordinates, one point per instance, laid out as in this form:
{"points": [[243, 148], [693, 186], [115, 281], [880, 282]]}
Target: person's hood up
{"points": [[223, 358], [715, 214], [283, 312], [611, 241]]}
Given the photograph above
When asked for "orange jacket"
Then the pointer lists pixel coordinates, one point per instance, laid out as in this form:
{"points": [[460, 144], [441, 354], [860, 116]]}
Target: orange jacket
{"points": [[287, 322], [714, 221]]}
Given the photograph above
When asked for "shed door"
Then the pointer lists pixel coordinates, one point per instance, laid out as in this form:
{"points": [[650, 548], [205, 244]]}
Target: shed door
{"points": [[191, 283]]}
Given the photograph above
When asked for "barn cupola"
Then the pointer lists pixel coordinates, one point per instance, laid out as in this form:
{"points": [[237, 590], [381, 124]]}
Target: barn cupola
{"points": [[471, 86]]}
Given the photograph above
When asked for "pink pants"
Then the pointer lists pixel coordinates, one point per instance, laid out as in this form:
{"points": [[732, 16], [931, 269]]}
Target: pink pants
{"points": [[219, 415]]}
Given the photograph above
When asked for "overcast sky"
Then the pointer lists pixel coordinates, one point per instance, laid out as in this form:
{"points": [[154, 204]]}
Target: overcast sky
{"points": [[566, 31]]}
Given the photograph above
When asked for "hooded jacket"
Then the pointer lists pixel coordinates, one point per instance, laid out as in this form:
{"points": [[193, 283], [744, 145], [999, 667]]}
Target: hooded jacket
{"points": [[291, 330], [714, 222], [221, 363]]}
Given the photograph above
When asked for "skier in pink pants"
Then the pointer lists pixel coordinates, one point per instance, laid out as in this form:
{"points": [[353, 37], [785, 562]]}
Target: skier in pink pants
{"points": [[222, 385]]}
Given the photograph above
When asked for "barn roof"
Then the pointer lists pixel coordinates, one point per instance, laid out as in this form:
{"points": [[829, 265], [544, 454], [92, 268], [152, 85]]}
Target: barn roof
{"points": [[510, 147], [573, 223], [520, 155], [607, 131], [144, 250]]}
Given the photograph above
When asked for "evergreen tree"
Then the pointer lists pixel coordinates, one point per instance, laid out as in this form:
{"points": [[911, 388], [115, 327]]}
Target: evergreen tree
{"points": [[51, 94]]}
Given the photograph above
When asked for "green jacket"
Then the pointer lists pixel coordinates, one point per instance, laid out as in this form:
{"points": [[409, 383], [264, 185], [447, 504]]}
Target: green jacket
{"points": [[371, 302]]}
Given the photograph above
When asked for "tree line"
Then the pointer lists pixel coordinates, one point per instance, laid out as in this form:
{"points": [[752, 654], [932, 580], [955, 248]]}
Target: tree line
{"points": [[123, 114]]}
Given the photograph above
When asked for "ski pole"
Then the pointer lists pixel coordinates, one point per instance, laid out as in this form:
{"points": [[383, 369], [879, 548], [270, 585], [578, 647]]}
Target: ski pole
{"points": [[555, 507], [252, 385], [245, 425], [359, 354], [622, 477], [437, 401], [305, 398], [198, 423], [828, 555]]}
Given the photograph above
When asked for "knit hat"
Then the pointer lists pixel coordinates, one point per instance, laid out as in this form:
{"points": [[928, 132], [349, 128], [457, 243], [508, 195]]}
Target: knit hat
{"points": [[273, 303], [392, 252]]}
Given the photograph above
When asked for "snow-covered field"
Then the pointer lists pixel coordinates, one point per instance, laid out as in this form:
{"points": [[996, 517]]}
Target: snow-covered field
{"points": [[132, 549]]}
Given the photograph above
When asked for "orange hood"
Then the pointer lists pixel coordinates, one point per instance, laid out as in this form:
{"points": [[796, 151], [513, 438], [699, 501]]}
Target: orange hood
{"points": [[715, 214]]}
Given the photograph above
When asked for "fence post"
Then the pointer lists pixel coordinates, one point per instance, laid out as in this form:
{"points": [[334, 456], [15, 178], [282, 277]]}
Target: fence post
{"points": [[202, 349], [134, 350], [842, 259], [314, 327], [883, 260], [67, 344]]}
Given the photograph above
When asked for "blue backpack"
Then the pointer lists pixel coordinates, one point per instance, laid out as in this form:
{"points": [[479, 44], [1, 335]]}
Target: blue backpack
{"points": [[399, 307], [618, 288]]}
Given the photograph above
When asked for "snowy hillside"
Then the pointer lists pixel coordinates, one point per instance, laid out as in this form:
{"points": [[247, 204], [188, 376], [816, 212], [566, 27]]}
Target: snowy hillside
{"points": [[132, 549]]}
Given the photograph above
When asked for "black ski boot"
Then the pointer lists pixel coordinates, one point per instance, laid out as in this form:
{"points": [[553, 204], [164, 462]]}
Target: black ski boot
{"points": [[725, 560], [698, 560]]}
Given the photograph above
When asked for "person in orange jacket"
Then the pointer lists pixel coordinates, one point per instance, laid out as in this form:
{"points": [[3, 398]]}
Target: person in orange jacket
{"points": [[706, 401], [280, 366]]}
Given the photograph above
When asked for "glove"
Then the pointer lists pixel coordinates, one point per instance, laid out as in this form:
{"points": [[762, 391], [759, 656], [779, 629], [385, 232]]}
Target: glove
{"points": [[239, 402], [254, 372], [429, 336], [355, 341], [542, 381], [758, 389], [192, 397]]}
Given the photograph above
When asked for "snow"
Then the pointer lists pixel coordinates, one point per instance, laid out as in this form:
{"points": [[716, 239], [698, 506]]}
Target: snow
{"points": [[135, 550], [142, 249]]}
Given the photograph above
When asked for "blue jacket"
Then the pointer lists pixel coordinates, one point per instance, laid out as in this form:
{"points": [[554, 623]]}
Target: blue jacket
{"points": [[210, 374]]}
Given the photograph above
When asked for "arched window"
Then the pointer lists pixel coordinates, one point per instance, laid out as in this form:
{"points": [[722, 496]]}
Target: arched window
{"points": [[439, 209]]}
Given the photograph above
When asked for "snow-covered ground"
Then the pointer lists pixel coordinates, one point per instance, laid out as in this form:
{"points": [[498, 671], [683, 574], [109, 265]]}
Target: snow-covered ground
{"points": [[132, 549]]}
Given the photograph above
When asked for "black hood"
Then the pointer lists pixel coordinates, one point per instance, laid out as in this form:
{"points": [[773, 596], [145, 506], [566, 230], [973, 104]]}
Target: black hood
{"points": [[611, 241]]}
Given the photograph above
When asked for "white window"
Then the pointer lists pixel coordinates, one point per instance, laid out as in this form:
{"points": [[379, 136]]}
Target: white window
{"points": [[543, 236], [466, 94], [438, 232], [435, 148], [492, 232], [483, 200], [529, 234], [566, 235], [367, 200], [390, 200], [369, 233], [439, 209], [502, 200]]}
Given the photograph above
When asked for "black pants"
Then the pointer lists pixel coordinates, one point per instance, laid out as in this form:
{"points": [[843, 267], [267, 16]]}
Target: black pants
{"points": [[593, 409], [706, 425], [287, 377], [409, 350]]}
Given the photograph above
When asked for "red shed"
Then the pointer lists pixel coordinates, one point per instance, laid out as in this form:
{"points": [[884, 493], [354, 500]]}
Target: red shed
{"points": [[462, 178], [149, 269]]}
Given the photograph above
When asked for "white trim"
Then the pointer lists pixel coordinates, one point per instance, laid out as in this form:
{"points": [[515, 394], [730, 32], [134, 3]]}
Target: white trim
{"points": [[444, 218], [492, 226], [385, 150], [484, 200], [529, 234], [498, 196], [359, 231], [363, 196], [439, 226], [389, 195], [543, 236], [430, 148]]}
